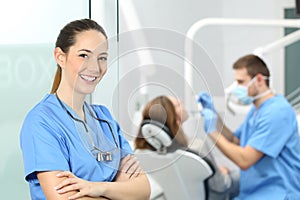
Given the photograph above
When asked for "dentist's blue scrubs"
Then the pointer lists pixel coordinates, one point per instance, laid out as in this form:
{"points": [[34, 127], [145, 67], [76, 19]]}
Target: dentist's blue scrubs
{"points": [[51, 140], [271, 129]]}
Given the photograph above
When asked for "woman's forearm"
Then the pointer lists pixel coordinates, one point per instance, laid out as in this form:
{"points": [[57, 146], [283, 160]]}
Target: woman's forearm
{"points": [[136, 188], [92, 198], [130, 182]]}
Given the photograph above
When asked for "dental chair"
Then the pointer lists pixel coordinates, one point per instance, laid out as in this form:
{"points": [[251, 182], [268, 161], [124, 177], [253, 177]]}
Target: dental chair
{"points": [[180, 174], [157, 192]]}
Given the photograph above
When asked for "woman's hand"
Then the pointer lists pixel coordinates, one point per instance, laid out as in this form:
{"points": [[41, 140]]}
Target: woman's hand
{"points": [[83, 187], [129, 168]]}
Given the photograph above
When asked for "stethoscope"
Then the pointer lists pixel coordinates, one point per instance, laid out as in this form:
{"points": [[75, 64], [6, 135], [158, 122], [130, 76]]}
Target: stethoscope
{"points": [[101, 155]]}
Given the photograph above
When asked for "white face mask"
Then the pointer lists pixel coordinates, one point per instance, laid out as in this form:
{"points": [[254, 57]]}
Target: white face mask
{"points": [[241, 92]]}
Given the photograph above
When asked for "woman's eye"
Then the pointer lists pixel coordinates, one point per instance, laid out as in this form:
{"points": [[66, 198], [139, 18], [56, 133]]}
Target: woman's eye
{"points": [[83, 55], [102, 58]]}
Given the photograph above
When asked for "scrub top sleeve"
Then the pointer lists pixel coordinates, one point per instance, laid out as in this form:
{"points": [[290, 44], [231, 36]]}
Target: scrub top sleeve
{"points": [[272, 132], [43, 148]]}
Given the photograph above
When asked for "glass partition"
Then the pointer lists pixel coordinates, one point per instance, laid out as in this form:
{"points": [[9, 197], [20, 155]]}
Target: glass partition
{"points": [[105, 12], [28, 34], [156, 57]]}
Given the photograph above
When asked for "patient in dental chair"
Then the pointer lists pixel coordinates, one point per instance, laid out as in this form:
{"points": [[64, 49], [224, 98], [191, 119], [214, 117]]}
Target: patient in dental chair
{"points": [[168, 113]]}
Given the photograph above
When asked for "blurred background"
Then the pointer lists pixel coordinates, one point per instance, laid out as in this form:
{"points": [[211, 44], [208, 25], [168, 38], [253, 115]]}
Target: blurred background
{"points": [[153, 50]]}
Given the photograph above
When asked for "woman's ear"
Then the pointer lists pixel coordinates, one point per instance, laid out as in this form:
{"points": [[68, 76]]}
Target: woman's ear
{"points": [[59, 56]]}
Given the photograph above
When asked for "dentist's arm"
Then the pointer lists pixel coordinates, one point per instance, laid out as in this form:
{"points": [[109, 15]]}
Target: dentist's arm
{"points": [[244, 157], [226, 132]]}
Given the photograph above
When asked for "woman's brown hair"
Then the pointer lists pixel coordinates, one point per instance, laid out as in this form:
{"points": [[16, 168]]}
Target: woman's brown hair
{"points": [[67, 38], [161, 109]]}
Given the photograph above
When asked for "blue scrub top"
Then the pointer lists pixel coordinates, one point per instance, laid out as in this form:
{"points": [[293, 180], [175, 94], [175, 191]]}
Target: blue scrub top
{"points": [[273, 130], [50, 140]]}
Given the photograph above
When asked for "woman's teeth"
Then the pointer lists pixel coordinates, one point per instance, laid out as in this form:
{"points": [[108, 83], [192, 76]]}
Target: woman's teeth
{"points": [[88, 78]]}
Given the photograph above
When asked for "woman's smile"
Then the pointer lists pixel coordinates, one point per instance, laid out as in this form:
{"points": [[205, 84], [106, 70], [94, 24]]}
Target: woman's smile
{"points": [[88, 78]]}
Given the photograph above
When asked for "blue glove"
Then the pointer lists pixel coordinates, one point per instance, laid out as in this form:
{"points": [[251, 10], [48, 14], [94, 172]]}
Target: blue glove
{"points": [[210, 120], [206, 101]]}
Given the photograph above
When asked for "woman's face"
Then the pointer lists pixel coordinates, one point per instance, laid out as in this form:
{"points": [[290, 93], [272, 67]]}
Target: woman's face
{"points": [[180, 110], [86, 62]]}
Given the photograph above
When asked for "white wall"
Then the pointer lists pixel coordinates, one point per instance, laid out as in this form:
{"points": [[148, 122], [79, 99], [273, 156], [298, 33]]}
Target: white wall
{"points": [[158, 68], [219, 47], [240, 41]]}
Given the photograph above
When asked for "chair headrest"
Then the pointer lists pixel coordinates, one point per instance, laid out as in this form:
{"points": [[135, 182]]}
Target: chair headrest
{"points": [[156, 134]]}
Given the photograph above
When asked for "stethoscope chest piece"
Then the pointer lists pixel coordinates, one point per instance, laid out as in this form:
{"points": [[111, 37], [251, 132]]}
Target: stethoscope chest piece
{"points": [[104, 156]]}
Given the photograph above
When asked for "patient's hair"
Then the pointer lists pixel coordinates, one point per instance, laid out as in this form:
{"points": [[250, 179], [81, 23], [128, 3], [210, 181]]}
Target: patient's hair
{"points": [[161, 109], [254, 65]]}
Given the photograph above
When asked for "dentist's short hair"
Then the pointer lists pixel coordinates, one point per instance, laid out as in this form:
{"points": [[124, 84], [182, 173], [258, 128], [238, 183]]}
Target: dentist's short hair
{"points": [[254, 65]]}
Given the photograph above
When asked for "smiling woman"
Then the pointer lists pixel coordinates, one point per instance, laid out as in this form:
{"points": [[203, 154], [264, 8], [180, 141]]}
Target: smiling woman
{"points": [[87, 156]]}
